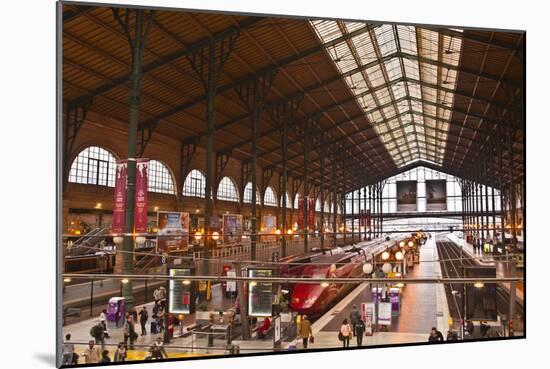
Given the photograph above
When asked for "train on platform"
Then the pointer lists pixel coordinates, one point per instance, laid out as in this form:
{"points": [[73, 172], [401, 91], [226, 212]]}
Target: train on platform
{"points": [[316, 299]]}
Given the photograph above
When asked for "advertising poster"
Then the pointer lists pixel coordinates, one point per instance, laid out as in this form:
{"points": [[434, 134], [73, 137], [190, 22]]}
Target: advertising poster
{"points": [[406, 196], [140, 212], [301, 204], [173, 231], [311, 213], [436, 195], [232, 229], [119, 204], [368, 316], [269, 226], [384, 313]]}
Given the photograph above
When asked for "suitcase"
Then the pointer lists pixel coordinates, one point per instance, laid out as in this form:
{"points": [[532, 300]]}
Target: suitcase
{"points": [[154, 327], [292, 348]]}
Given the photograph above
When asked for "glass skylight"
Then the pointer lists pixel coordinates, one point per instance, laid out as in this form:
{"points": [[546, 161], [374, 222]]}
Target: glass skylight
{"points": [[403, 78]]}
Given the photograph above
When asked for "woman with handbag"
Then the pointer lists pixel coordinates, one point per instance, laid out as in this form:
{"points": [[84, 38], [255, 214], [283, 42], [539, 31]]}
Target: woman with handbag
{"points": [[345, 333]]}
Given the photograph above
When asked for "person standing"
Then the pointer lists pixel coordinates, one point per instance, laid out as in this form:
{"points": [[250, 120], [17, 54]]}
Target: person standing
{"points": [[305, 330], [92, 353], [359, 332], [345, 330], [105, 357], [120, 353], [156, 296], [435, 335], [103, 321], [129, 332], [143, 317], [354, 316], [68, 350]]}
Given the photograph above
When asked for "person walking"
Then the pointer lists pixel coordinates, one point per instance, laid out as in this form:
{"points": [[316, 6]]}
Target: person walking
{"points": [[359, 332], [92, 353], [354, 316], [143, 317], [305, 330], [120, 353], [98, 333], [68, 350], [345, 331]]}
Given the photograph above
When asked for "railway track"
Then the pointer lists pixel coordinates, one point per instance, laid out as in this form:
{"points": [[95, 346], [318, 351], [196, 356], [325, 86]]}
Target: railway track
{"points": [[451, 260]]}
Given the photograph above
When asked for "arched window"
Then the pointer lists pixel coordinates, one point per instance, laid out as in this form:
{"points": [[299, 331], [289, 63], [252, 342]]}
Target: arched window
{"points": [[317, 205], [288, 203], [227, 190], [159, 178], [269, 197], [95, 166], [248, 194], [296, 201], [194, 184]]}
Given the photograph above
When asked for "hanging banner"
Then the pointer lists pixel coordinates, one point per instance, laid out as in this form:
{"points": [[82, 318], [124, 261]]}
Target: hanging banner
{"points": [[232, 228], [301, 204], [406, 195], [173, 231], [140, 209], [311, 213], [436, 194], [119, 205]]}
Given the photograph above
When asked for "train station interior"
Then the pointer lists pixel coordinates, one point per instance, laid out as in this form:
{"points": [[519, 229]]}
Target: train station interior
{"points": [[236, 184]]}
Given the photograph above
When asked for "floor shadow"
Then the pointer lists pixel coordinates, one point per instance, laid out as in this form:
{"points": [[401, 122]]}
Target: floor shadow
{"points": [[47, 358]]}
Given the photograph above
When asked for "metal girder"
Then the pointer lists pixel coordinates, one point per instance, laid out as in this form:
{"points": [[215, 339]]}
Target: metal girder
{"points": [[267, 174], [246, 170], [268, 69], [74, 118], [468, 36], [79, 10], [222, 158], [230, 31], [188, 149], [284, 111], [259, 85]]}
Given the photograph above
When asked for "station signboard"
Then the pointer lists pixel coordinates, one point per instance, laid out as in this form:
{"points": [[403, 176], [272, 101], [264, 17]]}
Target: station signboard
{"points": [[260, 294], [181, 293], [384, 313]]}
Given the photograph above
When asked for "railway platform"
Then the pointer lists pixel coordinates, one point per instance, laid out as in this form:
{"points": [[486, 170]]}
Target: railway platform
{"points": [[422, 307]]}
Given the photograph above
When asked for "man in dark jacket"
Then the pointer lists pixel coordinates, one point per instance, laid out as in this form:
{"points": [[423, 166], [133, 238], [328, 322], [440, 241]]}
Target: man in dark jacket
{"points": [[435, 335], [354, 316], [359, 331], [143, 317]]}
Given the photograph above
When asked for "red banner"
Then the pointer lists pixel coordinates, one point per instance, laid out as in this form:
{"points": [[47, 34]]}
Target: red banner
{"points": [[300, 212], [119, 205], [140, 209], [311, 212]]}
